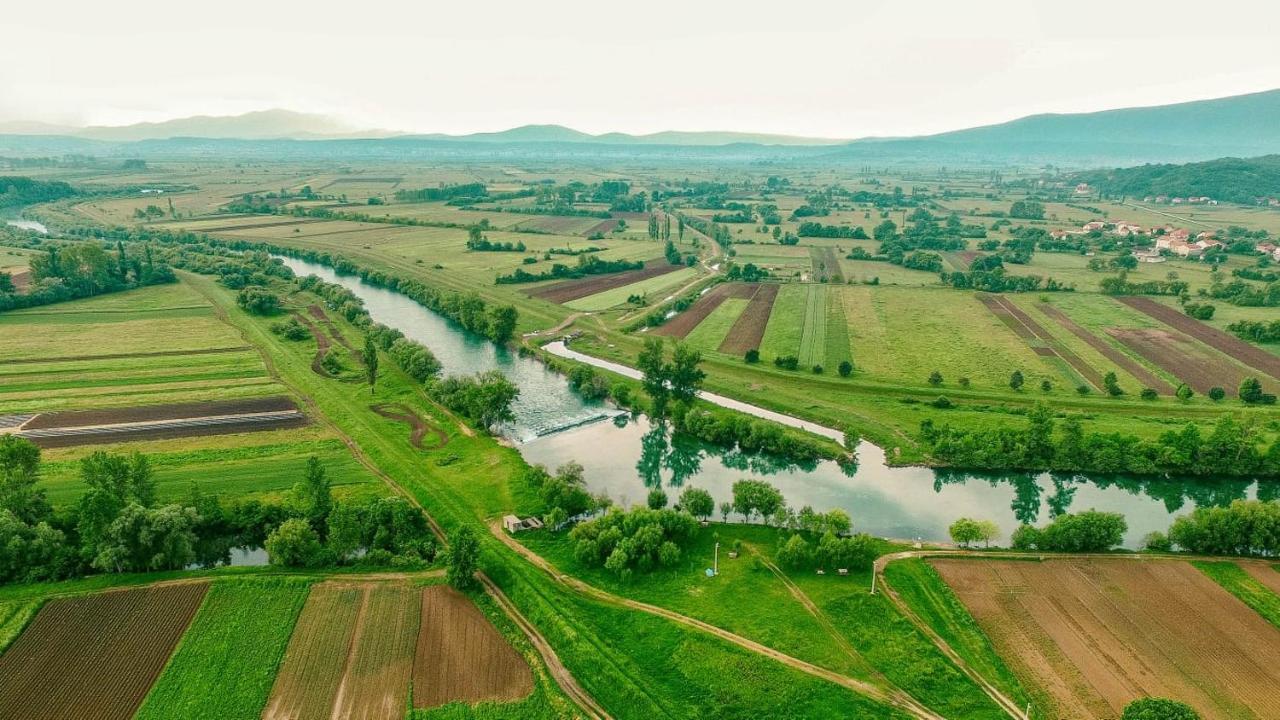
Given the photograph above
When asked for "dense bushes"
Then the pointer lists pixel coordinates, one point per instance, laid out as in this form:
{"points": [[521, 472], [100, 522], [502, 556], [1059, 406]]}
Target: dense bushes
{"points": [[753, 435], [638, 539], [484, 398], [997, 281], [68, 271], [587, 265], [1088, 531], [1246, 527], [1256, 331]]}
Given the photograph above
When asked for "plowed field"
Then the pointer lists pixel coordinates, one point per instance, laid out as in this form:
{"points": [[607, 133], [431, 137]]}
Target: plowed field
{"points": [[95, 656], [462, 657], [563, 292], [748, 329], [1230, 345], [682, 324], [1183, 358], [1093, 635]]}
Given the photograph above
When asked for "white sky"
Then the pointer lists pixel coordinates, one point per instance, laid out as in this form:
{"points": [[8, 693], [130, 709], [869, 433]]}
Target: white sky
{"points": [[804, 67]]}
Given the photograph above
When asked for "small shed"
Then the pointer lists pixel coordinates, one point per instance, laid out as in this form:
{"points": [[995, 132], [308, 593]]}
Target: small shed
{"points": [[514, 524]]}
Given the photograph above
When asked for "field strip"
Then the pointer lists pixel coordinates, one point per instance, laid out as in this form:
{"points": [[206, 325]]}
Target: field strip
{"points": [[1126, 363], [748, 330], [1180, 357], [813, 338], [834, 273], [579, 288], [684, 323], [891, 696], [1033, 331], [126, 356], [1229, 345]]}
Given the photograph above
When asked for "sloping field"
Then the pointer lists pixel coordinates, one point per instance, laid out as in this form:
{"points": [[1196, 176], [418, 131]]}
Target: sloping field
{"points": [[461, 657], [559, 224], [94, 656], [317, 655], [1145, 376], [748, 331], [813, 336], [1183, 358], [1264, 573], [711, 332], [563, 292], [1093, 635], [1230, 345], [657, 286], [682, 324], [228, 659], [1041, 339]]}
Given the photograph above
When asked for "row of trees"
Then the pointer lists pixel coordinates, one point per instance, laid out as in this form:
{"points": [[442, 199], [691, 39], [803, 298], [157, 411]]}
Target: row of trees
{"points": [[67, 271], [1230, 448]]}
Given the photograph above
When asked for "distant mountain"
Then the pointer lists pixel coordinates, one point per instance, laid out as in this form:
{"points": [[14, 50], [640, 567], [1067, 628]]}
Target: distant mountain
{"points": [[562, 134], [1231, 179], [260, 125], [1240, 125]]}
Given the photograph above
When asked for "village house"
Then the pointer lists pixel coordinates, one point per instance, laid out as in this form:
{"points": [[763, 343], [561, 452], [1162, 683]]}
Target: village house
{"points": [[1148, 256], [1266, 248], [1094, 225], [1126, 229], [1082, 189]]}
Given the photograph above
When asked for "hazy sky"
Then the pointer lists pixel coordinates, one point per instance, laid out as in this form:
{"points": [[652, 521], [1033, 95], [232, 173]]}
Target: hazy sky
{"points": [[804, 67]]}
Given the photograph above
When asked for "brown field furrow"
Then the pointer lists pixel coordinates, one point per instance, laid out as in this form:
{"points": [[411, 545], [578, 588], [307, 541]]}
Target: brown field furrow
{"points": [[316, 658], [569, 290], [376, 683], [748, 329], [685, 322], [1006, 317], [258, 226], [1145, 376], [21, 280], [461, 656], [834, 272], [1229, 345], [1263, 572], [1075, 361], [1091, 635], [95, 656], [147, 413], [1179, 356]]}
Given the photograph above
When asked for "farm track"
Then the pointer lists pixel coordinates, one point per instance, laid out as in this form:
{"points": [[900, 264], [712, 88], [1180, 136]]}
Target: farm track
{"points": [[1028, 329], [97, 655], [1227, 344], [1145, 376], [1180, 357], [889, 696], [748, 329], [569, 290]]}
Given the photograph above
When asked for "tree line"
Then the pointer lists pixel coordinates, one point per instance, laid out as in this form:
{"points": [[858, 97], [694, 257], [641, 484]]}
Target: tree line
{"points": [[73, 270]]}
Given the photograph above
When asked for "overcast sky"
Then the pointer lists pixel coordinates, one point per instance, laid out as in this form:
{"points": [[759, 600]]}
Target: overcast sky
{"points": [[838, 68]]}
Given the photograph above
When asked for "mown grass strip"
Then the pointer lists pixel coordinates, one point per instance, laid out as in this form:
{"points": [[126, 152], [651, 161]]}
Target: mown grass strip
{"points": [[813, 340], [837, 331], [227, 661], [1239, 583], [14, 617], [925, 592]]}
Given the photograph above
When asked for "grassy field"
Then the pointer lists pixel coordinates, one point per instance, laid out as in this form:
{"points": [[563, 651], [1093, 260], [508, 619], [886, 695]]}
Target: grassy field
{"points": [[709, 333], [227, 660], [1245, 586], [652, 289]]}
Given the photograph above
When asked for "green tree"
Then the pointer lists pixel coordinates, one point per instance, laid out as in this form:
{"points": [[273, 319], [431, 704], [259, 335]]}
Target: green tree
{"points": [[345, 526], [845, 369], [19, 473], [795, 553], [935, 378], [1016, 380], [1216, 393], [370, 357], [725, 509], [652, 363], [1152, 708], [697, 502], [964, 532], [1112, 385], [141, 539], [462, 557], [657, 499], [1251, 390], [1184, 392], [295, 544], [684, 374], [751, 497], [313, 495]]}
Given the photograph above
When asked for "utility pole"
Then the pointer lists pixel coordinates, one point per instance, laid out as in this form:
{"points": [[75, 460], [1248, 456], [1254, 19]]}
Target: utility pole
{"points": [[715, 563], [873, 580]]}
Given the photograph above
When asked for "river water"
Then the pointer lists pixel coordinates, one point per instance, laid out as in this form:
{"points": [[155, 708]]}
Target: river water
{"points": [[624, 456]]}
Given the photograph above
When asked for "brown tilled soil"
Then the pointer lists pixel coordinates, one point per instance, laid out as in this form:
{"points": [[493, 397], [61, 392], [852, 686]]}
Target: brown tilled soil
{"points": [[563, 292], [144, 413], [1145, 376], [1028, 329], [685, 322], [21, 280], [461, 656], [748, 329], [418, 426], [1263, 572], [95, 656], [603, 227], [257, 226], [1181, 357], [1230, 345], [319, 314], [379, 667], [1093, 635], [316, 659]]}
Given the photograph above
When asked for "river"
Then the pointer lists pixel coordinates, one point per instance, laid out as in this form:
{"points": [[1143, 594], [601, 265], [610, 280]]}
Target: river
{"points": [[624, 456]]}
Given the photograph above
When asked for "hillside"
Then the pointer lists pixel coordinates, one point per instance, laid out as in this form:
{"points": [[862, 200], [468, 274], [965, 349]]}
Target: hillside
{"points": [[1232, 179]]}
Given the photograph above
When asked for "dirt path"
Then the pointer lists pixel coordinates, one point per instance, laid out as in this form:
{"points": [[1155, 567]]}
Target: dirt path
{"points": [[419, 427], [558, 328], [891, 696], [322, 345]]}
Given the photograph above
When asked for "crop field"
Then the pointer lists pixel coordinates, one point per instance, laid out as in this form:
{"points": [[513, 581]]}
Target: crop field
{"points": [[461, 657], [713, 331], [1190, 362], [94, 656], [681, 325], [652, 289], [563, 292], [441, 213], [316, 658], [14, 617], [227, 660], [1230, 345], [559, 225], [1123, 362], [380, 665], [904, 334], [1091, 635], [786, 323], [748, 331], [813, 336], [1040, 340]]}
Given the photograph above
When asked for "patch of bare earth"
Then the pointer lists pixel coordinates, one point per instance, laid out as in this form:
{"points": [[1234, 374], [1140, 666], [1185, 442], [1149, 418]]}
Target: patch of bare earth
{"points": [[1092, 635]]}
